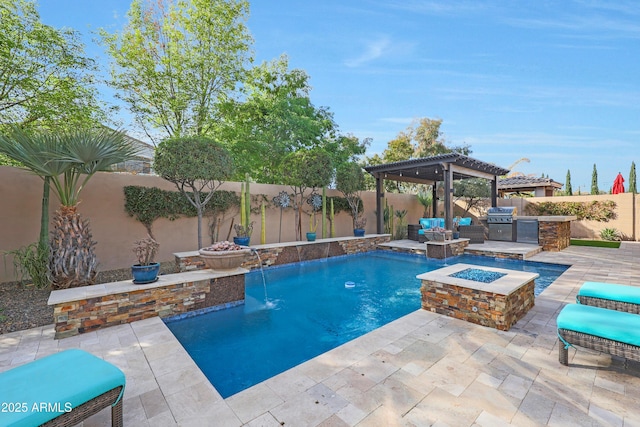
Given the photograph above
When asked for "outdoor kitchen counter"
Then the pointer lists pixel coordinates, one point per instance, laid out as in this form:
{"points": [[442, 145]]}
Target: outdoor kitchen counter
{"points": [[554, 231], [548, 218]]}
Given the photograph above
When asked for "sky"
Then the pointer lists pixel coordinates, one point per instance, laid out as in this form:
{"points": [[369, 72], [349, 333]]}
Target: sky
{"points": [[550, 86]]}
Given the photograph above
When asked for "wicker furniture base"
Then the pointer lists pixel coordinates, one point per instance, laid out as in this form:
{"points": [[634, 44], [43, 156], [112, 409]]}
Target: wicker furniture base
{"points": [[603, 345], [92, 407], [610, 304], [473, 232]]}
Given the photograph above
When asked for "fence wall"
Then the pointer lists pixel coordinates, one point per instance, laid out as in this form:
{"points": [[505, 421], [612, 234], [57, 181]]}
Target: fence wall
{"points": [[102, 202], [627, 220]]}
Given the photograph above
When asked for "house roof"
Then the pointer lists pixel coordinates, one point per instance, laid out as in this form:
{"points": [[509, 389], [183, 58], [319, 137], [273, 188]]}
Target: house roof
{"points": [[526, 183]]}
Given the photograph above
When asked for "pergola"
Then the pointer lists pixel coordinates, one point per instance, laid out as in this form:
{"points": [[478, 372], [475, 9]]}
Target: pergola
{"points": [[430, 170]]}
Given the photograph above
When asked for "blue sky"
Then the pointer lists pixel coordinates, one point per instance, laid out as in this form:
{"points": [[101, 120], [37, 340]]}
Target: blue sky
{"points": [[556, 82]]}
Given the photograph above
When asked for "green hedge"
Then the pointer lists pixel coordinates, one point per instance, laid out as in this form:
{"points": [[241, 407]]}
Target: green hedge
{"points": [[146, 204], [601, 211]]}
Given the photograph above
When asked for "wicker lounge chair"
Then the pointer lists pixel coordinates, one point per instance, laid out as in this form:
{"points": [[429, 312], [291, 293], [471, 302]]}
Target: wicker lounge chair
{"points": [[62, 390], [611, 296], [607, 331]]}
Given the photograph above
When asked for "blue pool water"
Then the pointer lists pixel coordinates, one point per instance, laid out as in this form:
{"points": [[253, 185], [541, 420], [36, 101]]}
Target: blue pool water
{"points": [[311, 309]]}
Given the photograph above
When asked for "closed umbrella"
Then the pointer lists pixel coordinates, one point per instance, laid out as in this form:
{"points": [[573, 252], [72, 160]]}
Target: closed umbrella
{"points": [[618, 184]]}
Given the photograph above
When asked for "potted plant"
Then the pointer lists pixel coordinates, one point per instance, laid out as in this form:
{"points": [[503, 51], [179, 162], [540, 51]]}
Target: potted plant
{"points": [[359, 225], [146, 270], [224, 255], [245, 228], [313, 225], [243, 234], [350, 182]]}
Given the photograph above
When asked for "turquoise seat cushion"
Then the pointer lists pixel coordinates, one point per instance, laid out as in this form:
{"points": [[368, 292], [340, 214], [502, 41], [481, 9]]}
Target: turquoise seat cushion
{"points": [[600, 322], [464, 221], [610, 291], [48, 387], [426, 223]]}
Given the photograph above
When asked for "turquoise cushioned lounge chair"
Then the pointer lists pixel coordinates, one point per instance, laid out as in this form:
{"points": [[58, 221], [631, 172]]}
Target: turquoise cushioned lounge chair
{"points": [[607, 331], [62, 389], [610, 295]]}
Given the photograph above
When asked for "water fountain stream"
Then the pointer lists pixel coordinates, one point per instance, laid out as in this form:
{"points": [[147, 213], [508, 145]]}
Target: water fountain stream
{"points": [[267, 303]]}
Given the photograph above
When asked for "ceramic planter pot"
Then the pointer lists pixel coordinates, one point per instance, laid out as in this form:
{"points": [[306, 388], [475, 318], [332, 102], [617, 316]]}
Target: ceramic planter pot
{"points": [[358, 232], [311, 237], [145, 273], [242, 241], [224, 260]]}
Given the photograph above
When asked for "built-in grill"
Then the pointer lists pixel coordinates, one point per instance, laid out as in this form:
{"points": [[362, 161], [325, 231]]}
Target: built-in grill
{"points": [[500, 222]]}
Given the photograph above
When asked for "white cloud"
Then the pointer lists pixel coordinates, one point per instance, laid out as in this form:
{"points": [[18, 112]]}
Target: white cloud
{"points": [[374, 49]]}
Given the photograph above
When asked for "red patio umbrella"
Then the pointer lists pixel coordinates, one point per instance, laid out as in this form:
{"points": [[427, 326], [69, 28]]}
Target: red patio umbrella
{"points": [[618, 184]]}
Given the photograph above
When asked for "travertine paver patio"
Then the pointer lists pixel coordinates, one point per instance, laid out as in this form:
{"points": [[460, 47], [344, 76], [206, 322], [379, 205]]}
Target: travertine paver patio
{"points": [[423, 369]]}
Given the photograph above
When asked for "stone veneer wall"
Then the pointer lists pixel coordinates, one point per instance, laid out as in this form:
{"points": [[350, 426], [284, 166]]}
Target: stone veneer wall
{"points": [[554, 236], [448, 249], [493, 310], [286, 253], [90, 314]]}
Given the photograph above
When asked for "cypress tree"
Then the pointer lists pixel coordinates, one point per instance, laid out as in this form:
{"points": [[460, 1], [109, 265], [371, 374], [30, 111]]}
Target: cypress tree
{"points": [[567, 185], [632, 179], [594, 181]]}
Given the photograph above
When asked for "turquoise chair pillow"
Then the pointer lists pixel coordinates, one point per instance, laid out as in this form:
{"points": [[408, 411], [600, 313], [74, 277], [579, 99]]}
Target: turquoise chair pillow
{"points": [[464, 221]]}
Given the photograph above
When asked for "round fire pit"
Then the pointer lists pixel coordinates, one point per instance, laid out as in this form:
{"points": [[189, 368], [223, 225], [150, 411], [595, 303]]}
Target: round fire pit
{"points": [[224, 260]]}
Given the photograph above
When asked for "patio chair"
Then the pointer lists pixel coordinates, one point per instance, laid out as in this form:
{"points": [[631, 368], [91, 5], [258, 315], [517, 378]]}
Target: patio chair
{"points": [[610, 295], [61, 390], [607, 331], [427, 224], [475, 233]]}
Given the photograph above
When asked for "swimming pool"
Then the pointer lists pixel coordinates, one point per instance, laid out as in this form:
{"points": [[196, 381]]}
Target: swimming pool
{"points": [[311, 309]]}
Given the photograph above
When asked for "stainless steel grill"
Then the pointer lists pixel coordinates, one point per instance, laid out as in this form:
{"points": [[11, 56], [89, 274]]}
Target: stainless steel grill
{"points": [[500, 222]]}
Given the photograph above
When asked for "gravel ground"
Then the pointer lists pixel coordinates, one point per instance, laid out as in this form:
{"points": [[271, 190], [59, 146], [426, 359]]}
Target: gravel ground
{"points": [[24, 306]]}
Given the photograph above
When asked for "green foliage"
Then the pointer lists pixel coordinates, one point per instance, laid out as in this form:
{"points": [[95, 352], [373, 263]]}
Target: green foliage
{"points": [[594, 181], [401, 230], [601, 211], [610, 234], [175, 62], [632, 179], [473, 191], [31, 263], [308, 169], [275, 118], [350, 182], [146, 204], [45, 79], [567, 186], [340, 204], [594, 243], [426, 200]]}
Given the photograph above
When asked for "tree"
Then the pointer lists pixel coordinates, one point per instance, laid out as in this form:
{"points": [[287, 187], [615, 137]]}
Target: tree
{"points": [[421, 139], [45, 79], [632, 179], [194, 164], [568, 188], [274, 118], [68, 160], [473, 191], [306, 169], [176, 60], [350, 182], [594, 181]]}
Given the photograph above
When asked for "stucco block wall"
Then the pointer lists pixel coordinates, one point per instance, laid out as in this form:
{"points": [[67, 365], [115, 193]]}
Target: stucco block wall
{"points": [[102, 202]]}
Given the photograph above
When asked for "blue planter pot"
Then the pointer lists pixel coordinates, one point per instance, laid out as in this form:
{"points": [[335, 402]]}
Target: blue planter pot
{"points": [[145, 273], [311, 237], [242, 241], [358, 232]]}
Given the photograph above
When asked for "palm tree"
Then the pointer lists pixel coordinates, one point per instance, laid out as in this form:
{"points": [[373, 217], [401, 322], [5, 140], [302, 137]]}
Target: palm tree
{"points": [[66, 162]]}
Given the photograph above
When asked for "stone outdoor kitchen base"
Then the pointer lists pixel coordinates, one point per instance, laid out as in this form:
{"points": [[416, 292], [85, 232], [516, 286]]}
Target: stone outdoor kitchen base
{"points": [[498, 304]]}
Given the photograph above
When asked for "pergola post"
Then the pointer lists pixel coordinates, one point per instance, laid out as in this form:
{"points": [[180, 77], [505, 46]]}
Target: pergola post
{"points": [[379, 207], [448, 197], [494, 191]]}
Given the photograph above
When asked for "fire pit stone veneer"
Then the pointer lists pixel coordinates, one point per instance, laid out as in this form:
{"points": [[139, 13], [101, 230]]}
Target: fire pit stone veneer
{"points": [[498, 304]]}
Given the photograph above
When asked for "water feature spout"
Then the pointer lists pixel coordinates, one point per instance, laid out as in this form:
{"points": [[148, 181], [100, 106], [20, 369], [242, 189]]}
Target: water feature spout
{"points": [[264, 282]]}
